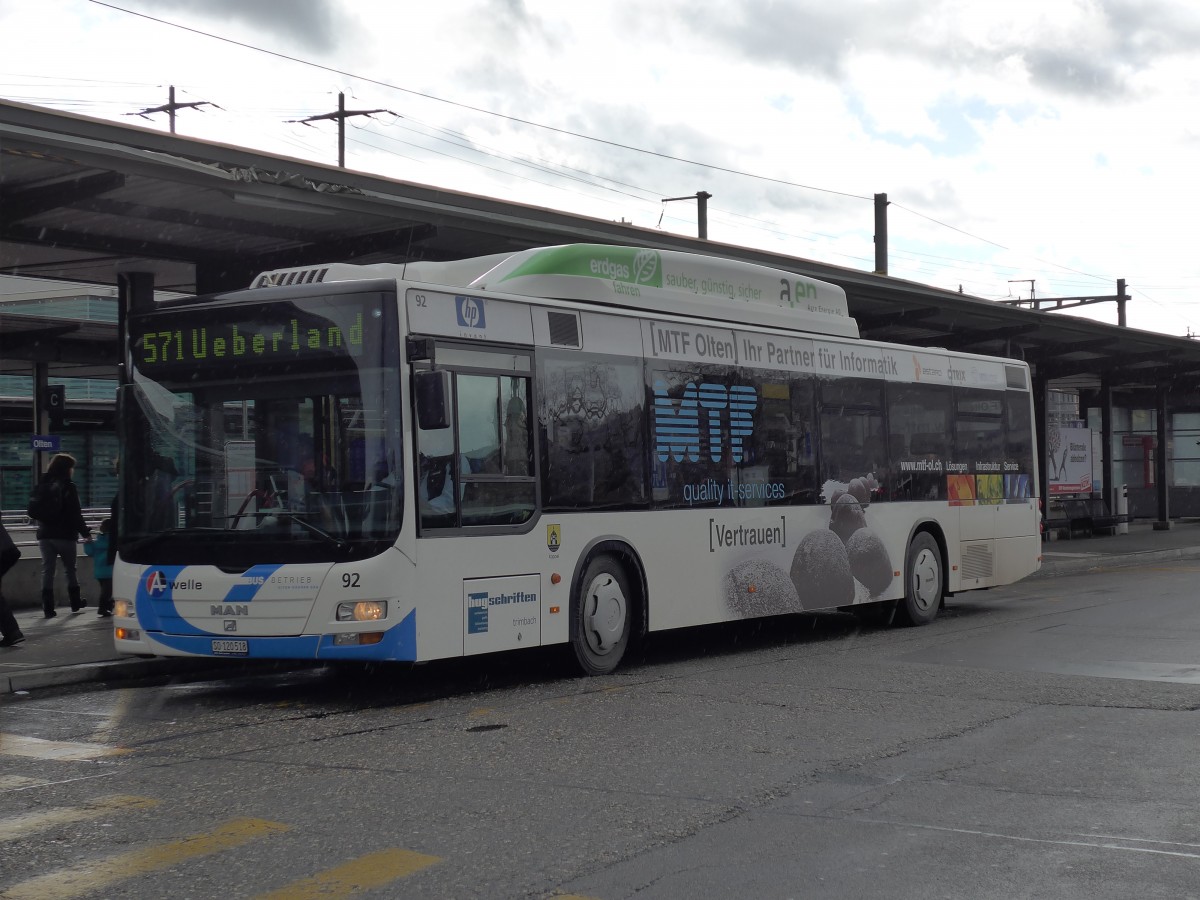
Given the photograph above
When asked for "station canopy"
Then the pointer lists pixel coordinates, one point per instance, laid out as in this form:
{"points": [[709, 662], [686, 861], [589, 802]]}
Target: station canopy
{"points": [[84, 200]]}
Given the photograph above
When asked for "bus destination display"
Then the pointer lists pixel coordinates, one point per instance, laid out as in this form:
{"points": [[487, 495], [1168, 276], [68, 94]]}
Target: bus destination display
{"points": [[260, 335]]}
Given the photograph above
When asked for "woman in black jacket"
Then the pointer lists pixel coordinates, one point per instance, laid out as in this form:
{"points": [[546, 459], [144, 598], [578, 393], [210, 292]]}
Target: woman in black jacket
{"points": [[56, 534]]}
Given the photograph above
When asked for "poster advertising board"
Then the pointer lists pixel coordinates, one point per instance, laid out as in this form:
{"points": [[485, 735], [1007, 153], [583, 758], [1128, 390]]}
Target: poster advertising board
{"points": [[1069, 459]]}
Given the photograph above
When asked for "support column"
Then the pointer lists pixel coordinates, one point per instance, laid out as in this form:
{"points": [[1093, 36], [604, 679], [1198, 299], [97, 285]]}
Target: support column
{"points": [[1108, 485], [135, 294], [1163, 522], [1040, 388], [41, 417]]}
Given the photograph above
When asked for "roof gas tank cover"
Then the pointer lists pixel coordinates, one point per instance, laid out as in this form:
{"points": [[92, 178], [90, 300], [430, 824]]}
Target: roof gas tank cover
{"points": [[671, 281]]}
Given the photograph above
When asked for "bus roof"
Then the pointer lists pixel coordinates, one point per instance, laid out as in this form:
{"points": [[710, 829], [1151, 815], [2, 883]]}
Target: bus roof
{"points": [[659, 281]]}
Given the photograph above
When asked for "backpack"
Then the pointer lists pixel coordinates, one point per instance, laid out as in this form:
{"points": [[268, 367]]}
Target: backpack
{"points": [[45, 503]]}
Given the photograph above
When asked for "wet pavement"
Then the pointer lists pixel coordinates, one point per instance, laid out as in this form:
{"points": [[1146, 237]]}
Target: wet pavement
{"points": [[76, 648]]}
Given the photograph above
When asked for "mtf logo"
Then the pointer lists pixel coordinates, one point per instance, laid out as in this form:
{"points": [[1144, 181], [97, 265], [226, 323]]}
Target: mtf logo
{"points": [[470, 312], [728, 411]]}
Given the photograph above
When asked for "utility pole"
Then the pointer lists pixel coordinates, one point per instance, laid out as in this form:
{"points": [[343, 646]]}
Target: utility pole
{"points": [[881, 235], [702, 198], [170, 107], [341, 115]]}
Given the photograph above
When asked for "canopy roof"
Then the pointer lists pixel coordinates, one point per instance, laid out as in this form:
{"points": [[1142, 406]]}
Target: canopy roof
{"points": [[83, 199]]}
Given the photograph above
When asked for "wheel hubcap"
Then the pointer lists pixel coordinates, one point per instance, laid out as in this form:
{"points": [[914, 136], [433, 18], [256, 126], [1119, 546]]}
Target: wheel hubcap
{"points": [[604, 613], [927, 579]]}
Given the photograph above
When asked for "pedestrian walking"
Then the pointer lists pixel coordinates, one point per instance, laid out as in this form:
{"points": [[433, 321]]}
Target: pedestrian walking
{"points": [[9, 554], [102, 566], [55, 506]]}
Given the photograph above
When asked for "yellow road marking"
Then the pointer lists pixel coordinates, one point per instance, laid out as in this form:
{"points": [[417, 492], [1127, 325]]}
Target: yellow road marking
{"points": [[25, 825], [89, 877], [370, 871], [19, 745]]}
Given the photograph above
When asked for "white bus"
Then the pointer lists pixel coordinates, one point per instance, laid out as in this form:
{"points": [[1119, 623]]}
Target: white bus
{"points": [[573, 445]]}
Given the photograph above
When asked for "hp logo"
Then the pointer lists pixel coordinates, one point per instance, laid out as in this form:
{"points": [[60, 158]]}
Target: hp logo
{"points": [[470, 312]]}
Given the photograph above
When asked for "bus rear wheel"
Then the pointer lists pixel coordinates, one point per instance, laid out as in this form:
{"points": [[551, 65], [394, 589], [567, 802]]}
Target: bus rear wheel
{"points": [[600, 617], [923, 569]]}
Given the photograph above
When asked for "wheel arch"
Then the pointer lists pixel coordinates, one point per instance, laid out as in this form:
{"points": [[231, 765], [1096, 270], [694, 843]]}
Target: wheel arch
{"points": [[635, 570]]}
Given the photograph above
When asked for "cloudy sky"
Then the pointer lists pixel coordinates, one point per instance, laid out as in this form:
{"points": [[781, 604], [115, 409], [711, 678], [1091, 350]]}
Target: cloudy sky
{"points": [[1044, 146]]}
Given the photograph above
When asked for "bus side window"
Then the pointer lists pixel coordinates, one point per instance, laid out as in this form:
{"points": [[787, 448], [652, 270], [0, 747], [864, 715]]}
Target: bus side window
{"points": [[499, 488], [517, 460], [480, 470]]}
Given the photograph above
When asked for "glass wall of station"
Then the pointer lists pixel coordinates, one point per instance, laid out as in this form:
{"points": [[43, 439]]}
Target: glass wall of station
{"points": [[88, 429]]}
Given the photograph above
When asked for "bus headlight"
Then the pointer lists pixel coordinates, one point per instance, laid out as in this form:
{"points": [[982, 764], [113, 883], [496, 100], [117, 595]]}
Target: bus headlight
{"points": [[362, 611], [124, 609]]}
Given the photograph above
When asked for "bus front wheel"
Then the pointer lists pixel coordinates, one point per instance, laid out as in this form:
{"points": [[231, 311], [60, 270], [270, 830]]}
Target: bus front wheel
{"points": [[601, 616], [923, 581]]}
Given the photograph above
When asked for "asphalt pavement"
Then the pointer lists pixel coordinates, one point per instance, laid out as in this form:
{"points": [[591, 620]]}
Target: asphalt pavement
{"points": [[76, 648]]}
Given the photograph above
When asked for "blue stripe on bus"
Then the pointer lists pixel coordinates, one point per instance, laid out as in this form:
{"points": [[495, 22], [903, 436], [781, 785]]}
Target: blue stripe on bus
{"points": [[303, 647], [155, 597], [244, 592], [399, 643], [153, 591]]}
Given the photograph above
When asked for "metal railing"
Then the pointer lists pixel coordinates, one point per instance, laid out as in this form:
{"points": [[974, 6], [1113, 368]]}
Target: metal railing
{"points": [[23, 529]]}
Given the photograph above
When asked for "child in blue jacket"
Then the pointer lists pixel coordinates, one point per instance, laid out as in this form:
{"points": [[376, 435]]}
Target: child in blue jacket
{"points": [[97, 549]]}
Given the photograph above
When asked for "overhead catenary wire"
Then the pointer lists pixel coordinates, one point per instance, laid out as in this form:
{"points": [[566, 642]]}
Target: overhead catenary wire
{"points": [[476, 109], [770, 228]]}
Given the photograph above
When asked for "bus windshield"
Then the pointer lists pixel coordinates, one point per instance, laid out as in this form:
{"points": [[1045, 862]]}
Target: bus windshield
{"points": [[259, 433]]}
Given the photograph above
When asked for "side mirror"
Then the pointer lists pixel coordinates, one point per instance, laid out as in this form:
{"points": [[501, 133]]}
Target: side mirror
{"points": [[432, 388]]}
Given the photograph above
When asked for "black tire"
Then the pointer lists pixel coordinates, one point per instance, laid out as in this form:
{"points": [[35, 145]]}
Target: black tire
{"points": [[601, 616], [923, 580]]}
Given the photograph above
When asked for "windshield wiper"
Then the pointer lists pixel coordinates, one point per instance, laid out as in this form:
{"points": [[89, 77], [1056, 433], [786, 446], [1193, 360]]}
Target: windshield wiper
{"points": [[320, 532], [300, 520]]}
